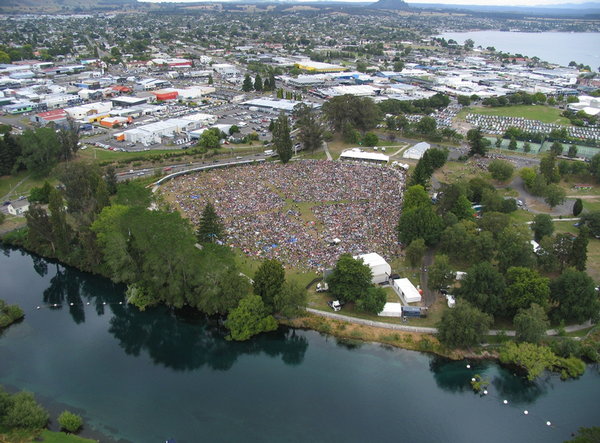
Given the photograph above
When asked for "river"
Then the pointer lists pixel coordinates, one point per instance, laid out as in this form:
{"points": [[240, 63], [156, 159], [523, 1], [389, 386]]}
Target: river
{"points": [[148, 376], [554, 47]]}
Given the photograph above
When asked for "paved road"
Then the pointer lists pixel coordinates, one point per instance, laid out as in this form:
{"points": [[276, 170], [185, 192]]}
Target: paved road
{"points": [[429, 296], [519, 185]]}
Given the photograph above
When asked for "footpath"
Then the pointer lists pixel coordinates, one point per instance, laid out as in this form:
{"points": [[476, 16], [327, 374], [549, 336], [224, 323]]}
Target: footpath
{"points": [[423, 330]]}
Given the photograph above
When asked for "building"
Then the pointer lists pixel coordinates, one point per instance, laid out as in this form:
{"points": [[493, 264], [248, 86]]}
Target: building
{"points": [[166, 94], [57, 116], [155, 132], [18, 207], [90, 113], [308, 65], [380, 268], [417, 151], [225, 69], [128, 102]]}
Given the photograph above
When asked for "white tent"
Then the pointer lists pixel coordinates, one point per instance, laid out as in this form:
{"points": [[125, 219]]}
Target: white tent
{"points": [[380, 268], [409, 292], [417, 151], [391, 310]]}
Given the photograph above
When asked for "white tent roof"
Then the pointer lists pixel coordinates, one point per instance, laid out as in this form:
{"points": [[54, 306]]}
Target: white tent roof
{"points": [[373, 259], [391, 310], [411, 294], [357, 155]]}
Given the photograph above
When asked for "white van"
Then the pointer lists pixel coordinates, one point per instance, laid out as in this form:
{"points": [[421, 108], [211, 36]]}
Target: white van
{"points": [[269, 152]]}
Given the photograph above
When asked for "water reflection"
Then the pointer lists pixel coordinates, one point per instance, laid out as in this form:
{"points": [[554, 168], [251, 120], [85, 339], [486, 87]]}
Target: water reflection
{"points": [[185, 340], [453, 376]]}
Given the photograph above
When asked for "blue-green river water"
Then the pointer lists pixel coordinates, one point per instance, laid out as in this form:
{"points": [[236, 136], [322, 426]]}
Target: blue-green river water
{"points": [[148, 376]]}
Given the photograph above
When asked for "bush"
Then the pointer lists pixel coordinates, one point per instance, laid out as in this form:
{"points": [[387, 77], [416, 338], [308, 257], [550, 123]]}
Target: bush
{"points": [[25, 413], [70, 422]]}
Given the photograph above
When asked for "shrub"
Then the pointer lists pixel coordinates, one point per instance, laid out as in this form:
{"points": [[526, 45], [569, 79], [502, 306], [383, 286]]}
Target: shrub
{"points": [[70, 422], [25, 413]]}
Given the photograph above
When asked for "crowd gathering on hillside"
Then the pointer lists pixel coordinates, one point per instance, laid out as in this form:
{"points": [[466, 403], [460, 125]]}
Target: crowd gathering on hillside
{"points": [[260, 206]]}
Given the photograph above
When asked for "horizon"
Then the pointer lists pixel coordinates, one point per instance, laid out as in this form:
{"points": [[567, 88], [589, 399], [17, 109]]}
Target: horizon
{"points": [[520, 3]]}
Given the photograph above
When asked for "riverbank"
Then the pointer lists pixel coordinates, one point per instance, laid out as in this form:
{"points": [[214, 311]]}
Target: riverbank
{"points": [[410, 340]]}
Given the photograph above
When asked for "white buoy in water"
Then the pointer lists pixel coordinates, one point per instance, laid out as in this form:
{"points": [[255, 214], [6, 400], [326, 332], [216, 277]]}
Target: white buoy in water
{"points": [[55, 305], [468, 366], [71, 304], [38, 307], [548, 423], [525, 412], [473, 379], [88, 303], [485, 392], [505, 402], [103, 303]]}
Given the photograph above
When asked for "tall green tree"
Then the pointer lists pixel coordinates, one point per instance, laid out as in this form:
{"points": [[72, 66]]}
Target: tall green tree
{"points": [[579, 251], [549, 169], [247, 85], [542, 226], [25, 413], [210, 228], [268, 280], [361, 112], [577, 207], [531, 324], [258, 85], [58, 220], [40, 151], [110, 177], [281, 138], [440, 273], [292, 299], [574, 297], [350, 280], [524, 287], [414, 197], [485, 288], [373, 301], [421, 222], [554, 195], [68, 137], [415, 252], [465, 325], [250, 318], [310, 129], [501, 170], [478, 144], [514, 249]]}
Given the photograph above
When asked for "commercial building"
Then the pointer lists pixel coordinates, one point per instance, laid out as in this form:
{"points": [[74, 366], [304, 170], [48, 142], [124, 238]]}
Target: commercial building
{"points": [[155, 132], [90, 113], [128, 102], [57, 116]]}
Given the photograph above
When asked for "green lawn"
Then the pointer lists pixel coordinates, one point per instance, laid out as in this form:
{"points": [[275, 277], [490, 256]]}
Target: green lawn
{"points": [[61, 437], [9, 182], [26, 436], [544, 114]]}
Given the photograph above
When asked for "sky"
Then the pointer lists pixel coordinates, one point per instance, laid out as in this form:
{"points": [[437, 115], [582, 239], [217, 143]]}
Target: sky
{"points": [[447, 2]]}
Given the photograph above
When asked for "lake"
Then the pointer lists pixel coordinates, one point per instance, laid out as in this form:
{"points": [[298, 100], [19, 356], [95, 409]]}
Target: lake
{"points": [[554, 47], [148, 376]]}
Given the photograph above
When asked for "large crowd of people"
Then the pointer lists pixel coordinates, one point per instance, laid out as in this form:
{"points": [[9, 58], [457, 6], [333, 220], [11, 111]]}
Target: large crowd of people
{"points": [[266, 213]]}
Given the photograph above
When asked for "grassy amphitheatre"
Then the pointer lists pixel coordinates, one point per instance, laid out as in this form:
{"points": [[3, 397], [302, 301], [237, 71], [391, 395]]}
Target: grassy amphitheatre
{"points": [[544, 114]]}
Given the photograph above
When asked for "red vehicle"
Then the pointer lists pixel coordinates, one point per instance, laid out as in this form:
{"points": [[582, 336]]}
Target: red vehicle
{"points": [[167, 169]]}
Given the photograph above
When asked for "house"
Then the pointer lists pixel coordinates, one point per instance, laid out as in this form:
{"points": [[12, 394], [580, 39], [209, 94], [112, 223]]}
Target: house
{"points": [[18, 207], [380, 268]]}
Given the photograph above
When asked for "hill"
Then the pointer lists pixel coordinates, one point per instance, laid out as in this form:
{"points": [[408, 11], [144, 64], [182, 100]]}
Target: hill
{"points": [[390, 4]]}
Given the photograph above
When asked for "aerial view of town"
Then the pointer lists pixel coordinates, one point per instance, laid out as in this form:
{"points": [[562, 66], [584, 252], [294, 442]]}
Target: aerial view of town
{"points": [[299, 221]]}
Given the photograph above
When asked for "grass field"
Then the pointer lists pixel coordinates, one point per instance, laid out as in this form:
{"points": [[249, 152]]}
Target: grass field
{"points": [[544, 114], [10, 183], [24, 436]]}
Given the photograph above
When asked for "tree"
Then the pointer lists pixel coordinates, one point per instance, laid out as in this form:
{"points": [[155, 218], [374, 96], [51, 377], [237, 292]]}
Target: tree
{"points": [[484, 288], [415, 252], [463, 209], [247, 85], [373, 301], [464, 100], [586, 435], [554, 195], [572, 153], [526, 147], [534, 358], [465, 325], [40, 151], [311, 131], [440, 274], [501, 170], [435, 158], [528, 176], [556, 149], [477, 142], [458, 240], [209, 140], [415, 197], [210, 228], [251, 317], [539, 185], [577, 207], [524, 287], [258, 86], [398, 66], [25, 413], [268, 280], [281, 138], [531, 324], [512, 145], [210, 79], [370, 139], [549, 169], [70, 422], [542, 226], [426, 126], [421, 222], [350, 280], [234, 130], [68, 137], [575, 298], [291, 300], [58, 220], [578, 257], [110, 177], [133, 194], [40, 195], [514, 249], [361, 112]]}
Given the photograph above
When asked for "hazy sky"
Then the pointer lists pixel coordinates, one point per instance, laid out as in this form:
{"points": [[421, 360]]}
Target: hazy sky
{"points": [[448, 2]]}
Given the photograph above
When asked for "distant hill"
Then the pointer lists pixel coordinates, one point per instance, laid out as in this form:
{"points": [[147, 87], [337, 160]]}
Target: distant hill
{"points": [[564, 9], [390, 4]]}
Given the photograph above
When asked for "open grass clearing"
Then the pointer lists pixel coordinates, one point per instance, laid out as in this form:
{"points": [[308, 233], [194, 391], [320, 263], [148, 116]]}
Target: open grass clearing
{"points": [[544, 114]]}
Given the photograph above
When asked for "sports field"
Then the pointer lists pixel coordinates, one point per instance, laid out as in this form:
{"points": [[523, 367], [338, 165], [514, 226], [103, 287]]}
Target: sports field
{"points": [[544, 114]]}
